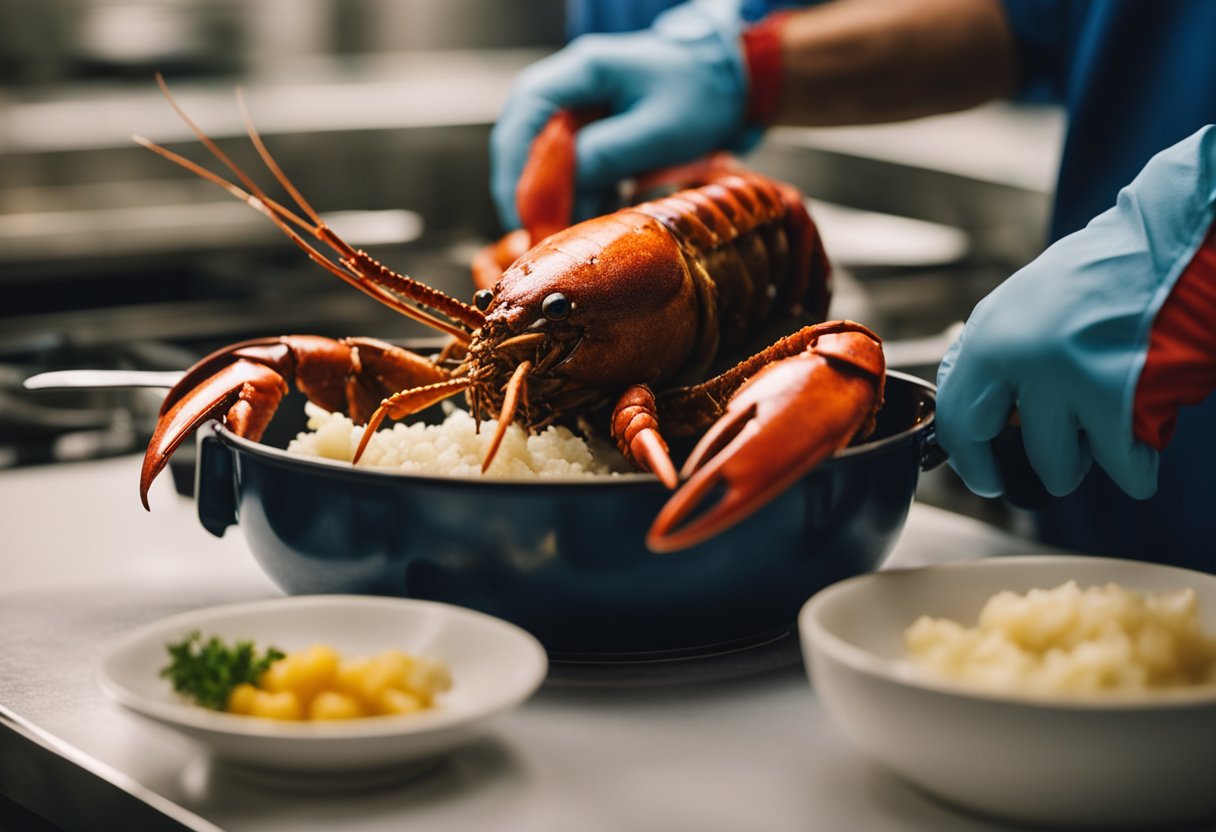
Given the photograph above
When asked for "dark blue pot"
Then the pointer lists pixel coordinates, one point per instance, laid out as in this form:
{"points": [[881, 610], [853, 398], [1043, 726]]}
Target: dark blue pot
{"points": [[566, 560]]}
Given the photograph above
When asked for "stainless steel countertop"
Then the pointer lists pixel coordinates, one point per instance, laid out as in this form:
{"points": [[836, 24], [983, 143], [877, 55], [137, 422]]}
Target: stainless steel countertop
{"points": [[722, 744]]}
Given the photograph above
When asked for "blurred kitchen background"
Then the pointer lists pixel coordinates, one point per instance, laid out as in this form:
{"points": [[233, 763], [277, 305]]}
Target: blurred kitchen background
{"points": [[380, 110]]}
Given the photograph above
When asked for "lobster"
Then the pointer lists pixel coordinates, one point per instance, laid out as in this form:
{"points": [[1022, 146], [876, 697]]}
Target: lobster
{"points": [[617, 319]]}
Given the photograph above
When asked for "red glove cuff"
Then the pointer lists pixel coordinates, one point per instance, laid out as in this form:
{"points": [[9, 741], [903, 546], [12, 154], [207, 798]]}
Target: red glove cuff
{"points": [[762, 55], [1180, 368]]}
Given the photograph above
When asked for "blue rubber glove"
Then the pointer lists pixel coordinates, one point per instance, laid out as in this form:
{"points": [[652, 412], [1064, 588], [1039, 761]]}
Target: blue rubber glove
{"points": [[1064, 340], [674, 92]]}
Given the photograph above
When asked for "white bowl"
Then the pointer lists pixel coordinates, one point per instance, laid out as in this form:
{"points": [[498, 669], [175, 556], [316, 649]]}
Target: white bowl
{"points": [[1106, 763], [495, 666]]}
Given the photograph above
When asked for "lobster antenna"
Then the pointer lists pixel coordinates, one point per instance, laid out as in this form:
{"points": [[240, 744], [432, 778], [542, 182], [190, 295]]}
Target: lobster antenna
{"points": [[359, 262], [214, 148], [268, 208], [256, 138], [362, 271]]}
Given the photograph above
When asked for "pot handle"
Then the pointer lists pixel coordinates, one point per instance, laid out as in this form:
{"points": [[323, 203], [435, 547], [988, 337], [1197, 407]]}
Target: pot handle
{"points": [[1023, 488], [929, 453], [214, 481]]}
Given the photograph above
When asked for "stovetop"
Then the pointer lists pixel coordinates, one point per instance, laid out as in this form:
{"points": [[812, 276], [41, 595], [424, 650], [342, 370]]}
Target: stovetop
{"points": [[38, 427]]}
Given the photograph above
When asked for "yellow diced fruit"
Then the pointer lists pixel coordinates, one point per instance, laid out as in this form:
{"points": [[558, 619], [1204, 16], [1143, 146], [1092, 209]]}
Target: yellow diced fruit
{"points": [[427, 679], [398, 701], [279, 705], [349, 678], [306, 672], [240, 700], [329, 704], [367, 679]]}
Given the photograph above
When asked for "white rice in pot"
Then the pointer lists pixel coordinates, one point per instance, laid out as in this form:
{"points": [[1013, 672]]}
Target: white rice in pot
{"points": [[454, 448]]}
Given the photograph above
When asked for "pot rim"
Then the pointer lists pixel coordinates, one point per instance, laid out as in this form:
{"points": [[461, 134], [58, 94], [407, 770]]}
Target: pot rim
{"points": [[339, 468]]}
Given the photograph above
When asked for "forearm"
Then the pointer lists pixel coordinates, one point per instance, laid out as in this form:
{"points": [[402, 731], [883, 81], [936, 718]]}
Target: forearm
{"points": [[867, 61]]}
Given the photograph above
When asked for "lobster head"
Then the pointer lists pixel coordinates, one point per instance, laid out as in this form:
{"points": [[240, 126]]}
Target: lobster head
{"points": [[606, 303]]}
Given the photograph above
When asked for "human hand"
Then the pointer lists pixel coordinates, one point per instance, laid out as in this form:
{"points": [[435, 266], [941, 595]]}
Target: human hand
{"points": [[1066, 340], [673, 93]]}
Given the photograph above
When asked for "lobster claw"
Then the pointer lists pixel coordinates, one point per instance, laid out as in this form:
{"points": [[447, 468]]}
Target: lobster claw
{"points": [[244, 383], [785, 420], [244, 391]]}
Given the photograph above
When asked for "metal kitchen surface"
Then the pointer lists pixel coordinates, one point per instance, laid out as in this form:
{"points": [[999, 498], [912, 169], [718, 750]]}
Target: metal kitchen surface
{"points": [[733, 741]]}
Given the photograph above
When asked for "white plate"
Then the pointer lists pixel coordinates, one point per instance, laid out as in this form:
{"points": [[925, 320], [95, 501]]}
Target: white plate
{"points": [[1107, 763], [495, 666]]}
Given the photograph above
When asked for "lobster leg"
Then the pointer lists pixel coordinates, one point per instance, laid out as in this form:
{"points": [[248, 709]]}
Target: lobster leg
{"points": [[785, 417], [245, 382], [635, 427], [406, 403]]}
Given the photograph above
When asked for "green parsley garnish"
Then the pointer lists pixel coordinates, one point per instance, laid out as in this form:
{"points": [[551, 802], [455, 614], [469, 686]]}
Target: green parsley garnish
{"points": [[208, 671]]}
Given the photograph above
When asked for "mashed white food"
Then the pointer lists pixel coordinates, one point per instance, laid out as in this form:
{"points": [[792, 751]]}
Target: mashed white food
{"points": [[453, 448], [1070, 640]]}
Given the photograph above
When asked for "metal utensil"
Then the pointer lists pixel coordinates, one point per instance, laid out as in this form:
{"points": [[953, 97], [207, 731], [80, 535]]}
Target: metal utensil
{"points": [[101, 379]]}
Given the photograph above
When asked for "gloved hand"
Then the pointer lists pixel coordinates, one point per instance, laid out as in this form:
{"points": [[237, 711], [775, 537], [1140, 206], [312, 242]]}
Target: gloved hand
{"points": [[1098, 341], [673, 93]]}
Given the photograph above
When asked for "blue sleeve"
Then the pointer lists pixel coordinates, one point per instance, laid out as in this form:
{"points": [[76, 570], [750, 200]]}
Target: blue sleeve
{"points": [[753, 10], [587, 16], [1041, 31]]}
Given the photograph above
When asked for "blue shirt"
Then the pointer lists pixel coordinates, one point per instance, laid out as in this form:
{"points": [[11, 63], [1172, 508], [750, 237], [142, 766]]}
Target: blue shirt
{"points": [[587, 16], [1135, 76]]}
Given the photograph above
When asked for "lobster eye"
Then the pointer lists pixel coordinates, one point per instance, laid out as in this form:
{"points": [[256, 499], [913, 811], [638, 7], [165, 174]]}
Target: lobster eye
{"points": [[482, 299], [556, 306]]}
